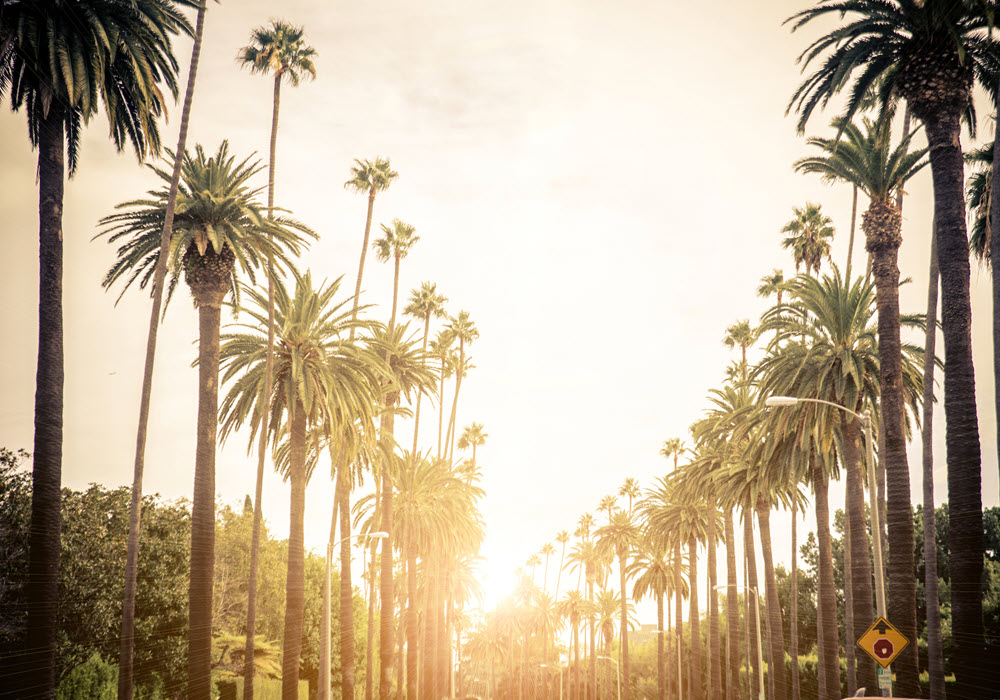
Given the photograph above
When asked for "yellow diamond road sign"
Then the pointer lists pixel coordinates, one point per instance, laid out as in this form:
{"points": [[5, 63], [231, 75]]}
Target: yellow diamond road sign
{"points": [[882, 642]]}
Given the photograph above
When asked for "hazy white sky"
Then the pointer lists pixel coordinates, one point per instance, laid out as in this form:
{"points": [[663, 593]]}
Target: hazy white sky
{"points": [[601, 185]]}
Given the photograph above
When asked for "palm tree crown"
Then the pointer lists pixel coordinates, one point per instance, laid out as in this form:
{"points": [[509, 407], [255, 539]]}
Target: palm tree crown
{"points": [[279, 49], [811, 231]]}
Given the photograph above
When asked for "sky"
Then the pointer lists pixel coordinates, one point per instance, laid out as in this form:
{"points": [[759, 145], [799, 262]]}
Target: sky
{"points": [[601, 186]]}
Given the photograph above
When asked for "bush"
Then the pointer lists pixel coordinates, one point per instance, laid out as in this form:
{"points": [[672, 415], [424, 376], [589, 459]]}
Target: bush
{"points": [[94, 679]]}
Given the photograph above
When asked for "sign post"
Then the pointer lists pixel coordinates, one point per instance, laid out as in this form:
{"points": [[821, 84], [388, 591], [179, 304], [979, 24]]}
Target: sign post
{"points": [[883, 642]]}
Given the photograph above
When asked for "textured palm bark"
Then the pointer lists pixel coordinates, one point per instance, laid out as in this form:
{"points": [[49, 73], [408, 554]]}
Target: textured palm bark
{"points": [[39, 664], [295, 585], [387, 593], [412, 621], [861, 568], [346, 589], [127, 638], [881, 224], [679, 616], [935, 656], [773, 624], [793, 613], [714, 642], [751, 571], [626, 686], [994, 253], [449, 438], [661, 677], [733, 691], [694, 653], [364, 251], [965, 512], [372, 583], [203, 502], [592, 687], [852, 666], [826, 608]]}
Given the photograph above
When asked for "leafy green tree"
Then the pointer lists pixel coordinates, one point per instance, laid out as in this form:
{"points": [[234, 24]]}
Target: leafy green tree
{"points": [[218, 228], [931, 54], [57, 63]]}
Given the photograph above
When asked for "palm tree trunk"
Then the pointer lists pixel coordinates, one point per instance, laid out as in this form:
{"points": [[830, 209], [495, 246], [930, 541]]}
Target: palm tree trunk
{"points": [[881, 225], [661, 678], [441, 409], [39, 665], [203, 502], [450, 435], [295, 587], [826, 608], [733, 691], [714, 642], [994, 265], [325, 660], [126, 651], [678, 615], [793, 604], [852, 666], [694, 654], [935, 660], [387, 591], [346, 589], [592, 688], [779, 684], [626, 686], [373, 562], [751, 561], [965, 512], [850, 240]]}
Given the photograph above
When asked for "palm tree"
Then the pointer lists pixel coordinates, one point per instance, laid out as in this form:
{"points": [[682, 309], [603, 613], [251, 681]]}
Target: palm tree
{"points": [[630, 489], [830, 352], [586, 558], [369, 177], [281, 50], [218, 227], [867, 160], [547, 551], [442, 350], [929, 53], [809, 237], [424, 304], [319, 377], [562, 538], [674, 447], [741, 335], [462, 328], [652, 572], [472, 436], [57, 63], [127, 647], [395, 245], [574, 607], [772, 283], [620, 536]]}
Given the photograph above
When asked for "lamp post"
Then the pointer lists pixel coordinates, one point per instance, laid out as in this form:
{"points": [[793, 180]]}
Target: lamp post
{"points": [[325, 691], [760, 654], [618, 674], [866, 420]]}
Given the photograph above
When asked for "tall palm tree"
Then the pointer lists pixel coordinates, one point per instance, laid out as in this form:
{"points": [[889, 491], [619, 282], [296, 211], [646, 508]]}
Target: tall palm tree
{"points": [[772, 283], [464, 330], [319, 377], [218, 227], [472, 436], [127, 642], [425, 303], [574, 607], [868, 160], [809, 237], [620, 536], [441, 349], [367, 177], [929, 53], [57, 62], [630, 489], [547, 551], [562, 538], [394, 245], [281, 50], [652, 572], [741, 335]]}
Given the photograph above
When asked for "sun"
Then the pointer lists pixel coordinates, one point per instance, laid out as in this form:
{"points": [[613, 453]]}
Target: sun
{"points": [[497, 576]]}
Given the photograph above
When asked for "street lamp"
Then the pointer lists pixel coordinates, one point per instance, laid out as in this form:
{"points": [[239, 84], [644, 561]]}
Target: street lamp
{"points": [[760, 654], [325, 691], [618, 674], [866, 420]]}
